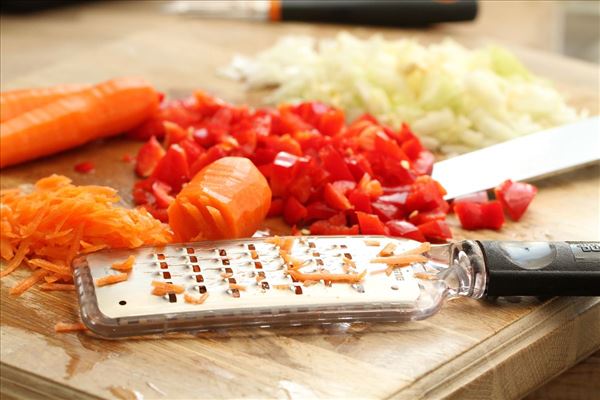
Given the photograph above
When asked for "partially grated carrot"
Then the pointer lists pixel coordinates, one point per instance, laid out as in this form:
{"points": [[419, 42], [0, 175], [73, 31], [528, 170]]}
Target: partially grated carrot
{"points": [[124, 266], [327, 277], [57, 286], [111, 279], [164, 288], [195, 299], [63, 327], [388, 250], [48, 226]]}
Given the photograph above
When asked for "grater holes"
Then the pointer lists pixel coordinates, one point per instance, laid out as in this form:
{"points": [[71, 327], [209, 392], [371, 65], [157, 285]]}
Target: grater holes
{"points": [[343, 246], [258, 265], [311, 245], [251, 246], [190, 250], [160, 256], [316, 254], [298, 290], [164, 265], [320, 262], [167, 275], [222, 252], [235, 293], [199, 278], [202, 289], [264, 285], [348, 256], [231, 280], [225, 261], [228, 271], [193, 259], [172, 298]]}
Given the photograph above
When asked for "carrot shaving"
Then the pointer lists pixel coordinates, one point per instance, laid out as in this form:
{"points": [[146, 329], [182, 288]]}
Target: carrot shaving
{"points": [[422, 248], [25, 284], [288, 244], [111, 279], [233, 286], [308, 283], [194, 299], [400, 260], [425, 276], [327, 277], [63, 327], [124, 266], [48, 226], [281, 286], [388, 250], [369, 242], [57, 286], [260, 278], [163, 288], [226, 275]]}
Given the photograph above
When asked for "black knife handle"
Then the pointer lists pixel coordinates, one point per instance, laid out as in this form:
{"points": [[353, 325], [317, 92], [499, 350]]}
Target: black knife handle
{"points": [[542, 268], [379, 12]]}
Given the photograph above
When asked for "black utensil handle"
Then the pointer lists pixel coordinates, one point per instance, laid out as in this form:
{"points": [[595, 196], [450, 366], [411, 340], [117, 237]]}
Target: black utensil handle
{"points": [[542, 268], [379, 12]]}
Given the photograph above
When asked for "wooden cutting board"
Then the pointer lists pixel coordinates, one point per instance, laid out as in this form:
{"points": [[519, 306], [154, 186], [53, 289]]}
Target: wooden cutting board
{"points": [[471, 349]]}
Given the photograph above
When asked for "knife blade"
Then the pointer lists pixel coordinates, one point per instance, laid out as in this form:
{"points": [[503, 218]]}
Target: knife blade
{"points": [[526, 158]]}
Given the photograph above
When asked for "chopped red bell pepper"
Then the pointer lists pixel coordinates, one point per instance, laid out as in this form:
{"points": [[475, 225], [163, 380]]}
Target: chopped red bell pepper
{"points": [[486, 215], [385, 211], [85, 167], [335, 199], [436, 231], [148, 157], [419, 218], [173, 133], [477, 197], [334, 164], [161, 194], [370, 224], [515, 197], [319, 210], [276, 208], [360, 201], [173, 168], [404, 229], [293, 212]]}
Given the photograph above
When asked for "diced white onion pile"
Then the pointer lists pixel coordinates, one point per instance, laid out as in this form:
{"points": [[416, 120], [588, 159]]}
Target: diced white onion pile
{"points": [[456, 99]]}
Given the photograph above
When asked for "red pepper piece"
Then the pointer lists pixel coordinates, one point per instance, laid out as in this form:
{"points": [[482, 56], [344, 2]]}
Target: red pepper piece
{"points": [[276, 208], [85, 167], [343, 186], [361, 201], [213, 154], [324, 227], [173, 168], [193, 150], [419, 218], [161, 194], [436, 231], [148, 157], [293, 211], [319, 210], [370, 224], [486, 215], [515, 197], [285, 167], [335, 199], [385, 211], [423, 165], [477, 197], [334, 164], [173, 133], [404, 229]]}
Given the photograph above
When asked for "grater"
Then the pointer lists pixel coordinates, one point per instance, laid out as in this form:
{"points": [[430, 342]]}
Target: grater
{"points": [[247, 283]]}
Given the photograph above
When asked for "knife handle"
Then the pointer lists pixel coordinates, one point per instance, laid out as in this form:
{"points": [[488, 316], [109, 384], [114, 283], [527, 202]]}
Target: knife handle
{"points": [[375, 12], [542, 268]]}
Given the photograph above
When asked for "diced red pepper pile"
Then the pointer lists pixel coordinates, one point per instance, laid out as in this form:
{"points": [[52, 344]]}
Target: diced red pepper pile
{"points": [[332, 178]]}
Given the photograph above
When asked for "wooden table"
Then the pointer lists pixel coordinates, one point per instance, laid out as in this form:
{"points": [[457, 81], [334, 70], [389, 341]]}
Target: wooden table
{"points": [[472, 349]]}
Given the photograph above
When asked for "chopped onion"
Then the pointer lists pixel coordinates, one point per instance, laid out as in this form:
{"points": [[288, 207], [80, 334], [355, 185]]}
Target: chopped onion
{"points": [[453, 97]]}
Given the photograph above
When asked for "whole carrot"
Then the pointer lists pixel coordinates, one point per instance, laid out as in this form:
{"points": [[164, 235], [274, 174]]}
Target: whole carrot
{"points": [[99, 111], [16, 102]]}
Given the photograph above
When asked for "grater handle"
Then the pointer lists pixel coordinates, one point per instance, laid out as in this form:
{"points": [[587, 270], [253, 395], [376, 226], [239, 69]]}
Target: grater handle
{"points": [[542, 268]]}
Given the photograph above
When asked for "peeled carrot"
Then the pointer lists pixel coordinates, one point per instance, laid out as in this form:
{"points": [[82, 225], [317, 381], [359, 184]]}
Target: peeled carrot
{"points": [[17, 102], [100, 111], [229, 198]]}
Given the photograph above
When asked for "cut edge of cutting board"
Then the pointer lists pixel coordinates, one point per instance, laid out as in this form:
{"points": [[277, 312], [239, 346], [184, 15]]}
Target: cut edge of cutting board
{"points": [[520, 357]]}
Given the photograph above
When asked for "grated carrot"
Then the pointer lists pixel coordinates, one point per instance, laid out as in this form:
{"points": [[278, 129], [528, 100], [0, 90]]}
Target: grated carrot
{"points": [[57, 286], [370, 242], [423, 275], [237, 286], [226, 275], [420, 249], [124, 266], [327, 277], [195, 300], [400, 259], [163, 288], [25, 284], [308, 283], [48, 226], [388, 250], [63, 327], [111, 279]]}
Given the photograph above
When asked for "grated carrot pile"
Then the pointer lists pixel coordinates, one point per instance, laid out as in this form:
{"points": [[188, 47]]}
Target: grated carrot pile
{"points": [[47, 227]]}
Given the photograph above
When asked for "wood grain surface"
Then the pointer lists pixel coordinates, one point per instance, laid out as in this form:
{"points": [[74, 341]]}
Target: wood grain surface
{"points": [[471, 349]]}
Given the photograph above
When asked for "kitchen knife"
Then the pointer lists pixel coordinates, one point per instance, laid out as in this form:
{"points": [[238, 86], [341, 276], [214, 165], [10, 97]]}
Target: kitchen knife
{"points": [[523, 159]]}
